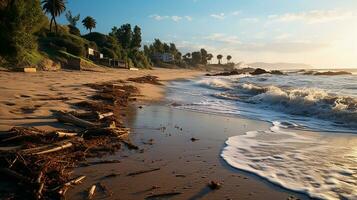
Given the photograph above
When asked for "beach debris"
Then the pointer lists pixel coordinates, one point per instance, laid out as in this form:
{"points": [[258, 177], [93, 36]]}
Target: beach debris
{"points": [[214, 185], [194, 139], [40, 163], [163, 195], [66, 117], [146, 79], [91, 191], [143, 172]]}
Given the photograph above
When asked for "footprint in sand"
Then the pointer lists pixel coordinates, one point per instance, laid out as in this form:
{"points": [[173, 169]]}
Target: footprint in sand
{"points": [[9, 103]]}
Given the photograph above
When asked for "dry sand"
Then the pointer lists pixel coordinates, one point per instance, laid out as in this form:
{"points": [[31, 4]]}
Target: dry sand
{"points": [[27, 98], [185, 166]]}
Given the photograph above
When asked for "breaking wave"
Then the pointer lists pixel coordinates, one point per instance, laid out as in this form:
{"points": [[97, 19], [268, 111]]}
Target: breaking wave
{"points": [[323, 167], [309, 102]]}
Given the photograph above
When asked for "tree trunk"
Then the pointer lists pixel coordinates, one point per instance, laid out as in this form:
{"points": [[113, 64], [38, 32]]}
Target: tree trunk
{"points": [[51, 24], [54, 19]]}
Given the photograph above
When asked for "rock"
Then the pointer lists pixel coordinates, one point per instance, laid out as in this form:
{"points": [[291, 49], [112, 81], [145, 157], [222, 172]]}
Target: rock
{"points": [[277, 72], [214, 185], [231, 73], [49, 65], [259, 71], [330, 73]]}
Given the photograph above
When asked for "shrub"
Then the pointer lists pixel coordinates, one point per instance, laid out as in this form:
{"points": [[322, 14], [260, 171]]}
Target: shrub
{"points": [[74, 30]]}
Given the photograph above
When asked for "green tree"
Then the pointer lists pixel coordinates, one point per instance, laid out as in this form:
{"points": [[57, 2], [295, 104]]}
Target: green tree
{"points": [[196, 58], [124, 35], [203, 56], [209, 57], [136, 40], [90, 23], [229, 57], [219, 58], [72, 20], [55, 8], [19, 21]]}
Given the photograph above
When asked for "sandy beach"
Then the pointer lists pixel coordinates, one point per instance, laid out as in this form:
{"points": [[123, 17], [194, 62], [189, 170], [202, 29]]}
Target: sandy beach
{"points": [[182, 146]]}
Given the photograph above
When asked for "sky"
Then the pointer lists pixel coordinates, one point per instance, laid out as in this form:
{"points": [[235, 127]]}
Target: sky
{"points": [[322, 33]]}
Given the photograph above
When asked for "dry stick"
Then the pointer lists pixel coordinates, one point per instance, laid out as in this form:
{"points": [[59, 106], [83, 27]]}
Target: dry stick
{"points": [[74, 181], [91, 192], [69, 118], [45, 147], [104, 115], [59, 148], [63, 134], [39, 191], [142, 172]]}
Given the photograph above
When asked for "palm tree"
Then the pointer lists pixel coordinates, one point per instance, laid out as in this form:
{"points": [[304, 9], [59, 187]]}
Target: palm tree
{"points": [[229, 57], [89, 22], [209, 57], [54, 8], [219, 57]]}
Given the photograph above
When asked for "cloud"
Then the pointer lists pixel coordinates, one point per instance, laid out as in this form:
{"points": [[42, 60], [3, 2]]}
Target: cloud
{"points": [[237, 12], [313, 16], [188, 18], [222, 38], [174, 18], [250, 20], [218, 16]]}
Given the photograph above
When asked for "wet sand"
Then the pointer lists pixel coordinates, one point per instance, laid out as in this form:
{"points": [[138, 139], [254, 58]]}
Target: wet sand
{"points": [[164, 134]]}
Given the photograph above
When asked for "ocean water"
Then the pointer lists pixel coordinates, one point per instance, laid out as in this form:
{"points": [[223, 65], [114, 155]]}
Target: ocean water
{"points": [[312, 144]]}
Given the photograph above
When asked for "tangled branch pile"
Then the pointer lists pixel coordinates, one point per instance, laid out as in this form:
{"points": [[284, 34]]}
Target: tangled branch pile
{"points": [[38, 164]]}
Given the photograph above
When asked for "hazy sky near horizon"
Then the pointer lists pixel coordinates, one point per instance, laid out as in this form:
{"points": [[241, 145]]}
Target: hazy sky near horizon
{"points": [[322, 33]]}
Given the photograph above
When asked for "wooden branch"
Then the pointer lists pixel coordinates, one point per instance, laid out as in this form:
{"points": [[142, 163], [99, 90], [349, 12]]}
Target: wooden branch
{"points": [[142, 172], [74, 181], [69, 118], [63, 134], [104, 115], [58, 148], [91, 192]]}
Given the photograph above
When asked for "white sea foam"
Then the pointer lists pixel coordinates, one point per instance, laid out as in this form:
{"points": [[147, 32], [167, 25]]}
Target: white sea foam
{"points": [[321, 166], [215, 83]]}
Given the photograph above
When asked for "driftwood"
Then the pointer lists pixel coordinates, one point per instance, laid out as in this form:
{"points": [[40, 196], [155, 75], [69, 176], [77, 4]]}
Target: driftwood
{"points": [[104, 115], [54, 149], [39, 191], [74, 181], [64, 134], [69, 118], [96, 115], [142, 172], [91, 192], [62, 143]]}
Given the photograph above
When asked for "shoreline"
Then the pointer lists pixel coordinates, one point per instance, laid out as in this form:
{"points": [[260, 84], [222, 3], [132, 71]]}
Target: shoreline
{"points": [[150, 97]]}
